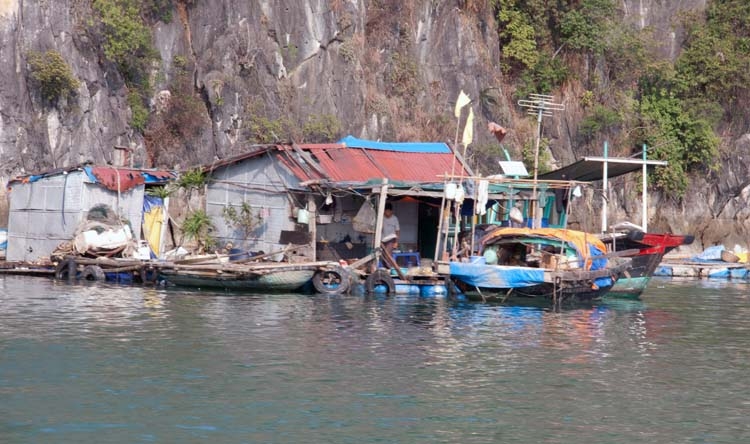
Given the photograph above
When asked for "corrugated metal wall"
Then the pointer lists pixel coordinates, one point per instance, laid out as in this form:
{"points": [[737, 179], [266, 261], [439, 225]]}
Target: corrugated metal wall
{"points": [[262, 183], [42, 215], [47, 212]]}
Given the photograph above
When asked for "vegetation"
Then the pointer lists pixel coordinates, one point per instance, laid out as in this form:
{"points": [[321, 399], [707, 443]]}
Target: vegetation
{"points": [[198, 227], [260, 129], [139, 112], [127, 38], [321, 128], [179, 123], [162, 191], [678, 107], [528, 151], [193, 179], [600, 119], [403, 77], [245, 220], [54, 77]]}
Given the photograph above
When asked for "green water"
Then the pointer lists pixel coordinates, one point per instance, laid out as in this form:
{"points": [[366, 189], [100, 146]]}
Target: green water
{"points": [[109, 364]]}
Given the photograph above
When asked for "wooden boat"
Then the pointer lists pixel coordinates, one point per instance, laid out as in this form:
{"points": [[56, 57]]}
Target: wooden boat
{"points": [[548, 263], [650, 249], [259, 277]]}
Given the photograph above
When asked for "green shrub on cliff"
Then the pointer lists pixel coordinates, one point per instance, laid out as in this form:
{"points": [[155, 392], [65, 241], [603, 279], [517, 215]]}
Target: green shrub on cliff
{"points": [[127, 38], [54, 77], [321, 128]]}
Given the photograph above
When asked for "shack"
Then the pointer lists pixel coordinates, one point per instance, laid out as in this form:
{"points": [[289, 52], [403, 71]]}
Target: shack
{"points": [[309, 196], [46, 209]]}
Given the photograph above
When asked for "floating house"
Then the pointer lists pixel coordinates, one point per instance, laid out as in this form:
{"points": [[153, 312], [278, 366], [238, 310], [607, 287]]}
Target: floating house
{"points": [[46, 209], [310, 195]]}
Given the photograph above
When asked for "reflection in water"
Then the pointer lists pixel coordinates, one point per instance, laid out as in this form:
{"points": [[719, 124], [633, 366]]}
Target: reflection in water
{"points": [[156, 365]]}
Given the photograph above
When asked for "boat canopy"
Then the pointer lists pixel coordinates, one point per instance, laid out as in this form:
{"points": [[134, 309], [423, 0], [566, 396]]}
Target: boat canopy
{"points": [[587, 245]]}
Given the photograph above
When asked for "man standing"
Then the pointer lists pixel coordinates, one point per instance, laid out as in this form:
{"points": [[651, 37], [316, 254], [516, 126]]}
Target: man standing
{"points": [[391, 229]]}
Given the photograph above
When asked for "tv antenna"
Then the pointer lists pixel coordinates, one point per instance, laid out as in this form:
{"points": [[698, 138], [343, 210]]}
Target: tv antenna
{"points": [[539, 105]]}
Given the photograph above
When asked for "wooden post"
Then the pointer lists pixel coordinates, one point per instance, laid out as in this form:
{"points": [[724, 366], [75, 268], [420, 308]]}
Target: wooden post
{"points": [[644, 217], [438, 246], [604, 191], [379, 219], [474, 218], [312, 226]]}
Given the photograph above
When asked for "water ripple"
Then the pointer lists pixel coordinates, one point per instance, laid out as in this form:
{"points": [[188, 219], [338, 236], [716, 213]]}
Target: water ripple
{"points": [[91, 363]]}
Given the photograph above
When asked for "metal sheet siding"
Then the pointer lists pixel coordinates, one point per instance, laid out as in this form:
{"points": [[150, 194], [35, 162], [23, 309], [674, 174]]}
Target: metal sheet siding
{"points": [[38, 221], [263, 185], [47, 212]]}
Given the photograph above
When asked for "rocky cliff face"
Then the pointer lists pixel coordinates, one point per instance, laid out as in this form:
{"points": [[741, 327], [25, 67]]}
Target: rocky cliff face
{"points": [[383, 69]]}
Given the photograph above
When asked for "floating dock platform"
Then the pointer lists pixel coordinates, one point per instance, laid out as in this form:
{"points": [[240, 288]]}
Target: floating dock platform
{"points": [[703, 269]]}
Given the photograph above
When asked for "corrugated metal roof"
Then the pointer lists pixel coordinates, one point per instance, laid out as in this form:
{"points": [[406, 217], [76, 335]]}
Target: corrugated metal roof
{"points": [[361, 165], [106, 176], [342, 163]]}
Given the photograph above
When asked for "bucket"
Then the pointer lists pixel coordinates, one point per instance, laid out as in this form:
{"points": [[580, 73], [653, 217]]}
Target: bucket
{"points": [[450, 191], [303, 216]]}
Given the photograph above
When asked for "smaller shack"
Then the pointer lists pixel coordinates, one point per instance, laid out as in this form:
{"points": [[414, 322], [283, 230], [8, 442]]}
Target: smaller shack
{"points": [[46, 209]]}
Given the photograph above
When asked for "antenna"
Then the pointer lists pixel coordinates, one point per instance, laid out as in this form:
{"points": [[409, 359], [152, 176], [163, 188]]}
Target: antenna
{"points": [[539, 105]]}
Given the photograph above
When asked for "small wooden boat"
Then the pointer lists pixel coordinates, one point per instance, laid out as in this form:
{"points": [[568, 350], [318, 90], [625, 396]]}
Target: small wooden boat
{"points": [[547, 263], [255, 277]]}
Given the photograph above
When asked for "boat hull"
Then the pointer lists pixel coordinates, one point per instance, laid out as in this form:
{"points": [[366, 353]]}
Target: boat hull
{"points": [[278, 281], [497, 282], [651, 250]]}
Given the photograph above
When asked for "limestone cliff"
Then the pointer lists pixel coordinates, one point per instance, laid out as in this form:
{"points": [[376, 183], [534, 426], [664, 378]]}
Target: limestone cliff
{"points": [[381, 69]]}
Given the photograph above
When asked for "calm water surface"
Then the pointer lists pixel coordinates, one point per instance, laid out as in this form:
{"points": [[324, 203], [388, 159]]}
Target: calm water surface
{"points": [[110, 364]]}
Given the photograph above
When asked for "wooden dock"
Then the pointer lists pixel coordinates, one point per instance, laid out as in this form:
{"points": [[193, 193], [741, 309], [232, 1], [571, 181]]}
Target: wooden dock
{"points": [[705, 269]]}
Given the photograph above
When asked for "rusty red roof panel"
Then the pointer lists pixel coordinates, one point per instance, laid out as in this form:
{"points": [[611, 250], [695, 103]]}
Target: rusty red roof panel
{"points": [[339, 163], [361, 165], [124, 179]]}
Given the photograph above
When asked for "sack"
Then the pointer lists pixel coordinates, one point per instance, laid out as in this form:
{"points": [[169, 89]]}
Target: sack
{"points": [[364, 221]]}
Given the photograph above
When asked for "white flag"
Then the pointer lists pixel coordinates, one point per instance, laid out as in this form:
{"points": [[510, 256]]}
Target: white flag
{"points": [[469, 129], [462, 101]]}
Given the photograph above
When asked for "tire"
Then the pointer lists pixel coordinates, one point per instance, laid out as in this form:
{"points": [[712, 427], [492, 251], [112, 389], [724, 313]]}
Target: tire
{"points": [[331, 281], [93, 273], [145, 278], [65, 270], [381, 276]]}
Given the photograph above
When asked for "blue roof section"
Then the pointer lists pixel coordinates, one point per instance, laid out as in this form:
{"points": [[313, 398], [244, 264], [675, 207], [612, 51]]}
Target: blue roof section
{"points": [[404, 147]]}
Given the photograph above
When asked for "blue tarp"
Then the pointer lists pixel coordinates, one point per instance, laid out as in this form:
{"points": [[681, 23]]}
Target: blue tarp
{"points": [[151, 201], [709, 254], [404, 147], [494, 276]]}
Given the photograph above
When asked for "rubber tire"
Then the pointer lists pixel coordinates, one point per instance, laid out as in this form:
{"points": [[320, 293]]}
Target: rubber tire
{"points": [[143, 274], [319, 281], [380, 276], [62, 270], [93, 273]]}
